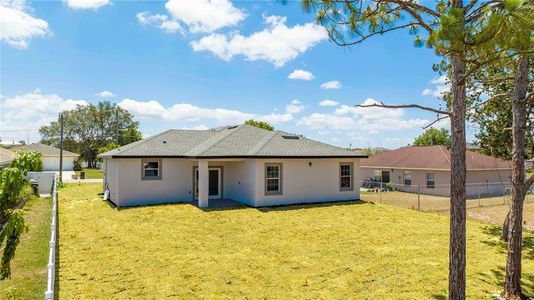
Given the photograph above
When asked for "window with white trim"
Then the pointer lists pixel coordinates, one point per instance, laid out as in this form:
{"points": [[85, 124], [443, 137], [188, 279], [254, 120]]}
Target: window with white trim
{"points": [[430, 180], [345, 176], [407, 177], [151, 169], [273, 178]]}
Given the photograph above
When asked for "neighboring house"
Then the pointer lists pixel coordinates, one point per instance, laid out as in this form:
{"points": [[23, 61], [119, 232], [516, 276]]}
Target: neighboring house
{"points": [[50, 156], [6, 156], [529, 164], [242, 163], [473, 147], [428, 168]]}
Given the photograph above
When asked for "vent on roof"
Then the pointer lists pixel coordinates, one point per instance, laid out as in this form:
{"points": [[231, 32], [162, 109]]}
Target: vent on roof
{"points": [[233, 127], [291, 137]]}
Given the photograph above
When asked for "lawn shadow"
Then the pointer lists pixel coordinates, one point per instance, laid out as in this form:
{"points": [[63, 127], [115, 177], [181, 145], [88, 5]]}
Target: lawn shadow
{"points": [[495, 232], [439, 297], [527, 281]]}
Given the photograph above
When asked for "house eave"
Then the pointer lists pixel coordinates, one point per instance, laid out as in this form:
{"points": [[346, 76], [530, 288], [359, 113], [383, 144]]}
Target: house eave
{"points": [[241, 156]]}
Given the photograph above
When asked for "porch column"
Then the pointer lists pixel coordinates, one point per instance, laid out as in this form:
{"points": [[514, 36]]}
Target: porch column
{"points": [[203, 183]]}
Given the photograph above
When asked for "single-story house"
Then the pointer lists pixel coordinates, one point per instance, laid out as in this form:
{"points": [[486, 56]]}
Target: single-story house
{"points": [[243, 163], [50, 156], [428, 170], [6, 156]]}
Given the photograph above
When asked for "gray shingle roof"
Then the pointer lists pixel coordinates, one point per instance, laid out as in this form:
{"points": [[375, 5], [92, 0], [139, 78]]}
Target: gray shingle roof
{"points": [[228, 142], [45, 150]]}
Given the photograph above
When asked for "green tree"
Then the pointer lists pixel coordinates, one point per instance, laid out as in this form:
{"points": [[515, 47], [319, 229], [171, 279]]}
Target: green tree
{"points": [[260, 124], [89, 127], [433, 136], [12, 222], [110, 146], [462, 33], [27, 162]]}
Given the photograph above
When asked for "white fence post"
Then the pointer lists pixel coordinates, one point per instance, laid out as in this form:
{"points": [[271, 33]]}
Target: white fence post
{"points": [[51, 267]]}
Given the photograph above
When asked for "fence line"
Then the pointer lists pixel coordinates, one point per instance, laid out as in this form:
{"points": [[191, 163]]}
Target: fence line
{"points": [[51, 268], [435, 197]]}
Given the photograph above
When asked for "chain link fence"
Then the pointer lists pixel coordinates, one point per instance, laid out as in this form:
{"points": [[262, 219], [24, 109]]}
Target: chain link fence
{"points": [[436, 197]]}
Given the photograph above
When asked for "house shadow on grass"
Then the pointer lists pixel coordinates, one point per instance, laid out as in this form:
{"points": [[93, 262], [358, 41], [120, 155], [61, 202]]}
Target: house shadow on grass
{"points": [[228, 204], [302, 206]]}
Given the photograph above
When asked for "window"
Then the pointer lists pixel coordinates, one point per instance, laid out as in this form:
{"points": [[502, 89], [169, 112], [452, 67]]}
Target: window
{"points": [[377, 175], [273, 179], [407, 177], [430, 182], [151, 169], [345, 176]]}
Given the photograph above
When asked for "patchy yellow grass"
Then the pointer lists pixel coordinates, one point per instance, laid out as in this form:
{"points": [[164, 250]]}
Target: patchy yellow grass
{"points": [[489, 209], [28, 267], [343, 250]]}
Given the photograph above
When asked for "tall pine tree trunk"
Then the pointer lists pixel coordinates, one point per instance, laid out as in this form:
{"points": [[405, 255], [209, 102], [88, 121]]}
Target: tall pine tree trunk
{"points": [[512, 286], [458, 215]]}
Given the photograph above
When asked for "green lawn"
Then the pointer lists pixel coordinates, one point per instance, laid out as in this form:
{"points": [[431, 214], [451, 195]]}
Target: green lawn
{"points": [[92, 173], [343, 250], [28, 267]]}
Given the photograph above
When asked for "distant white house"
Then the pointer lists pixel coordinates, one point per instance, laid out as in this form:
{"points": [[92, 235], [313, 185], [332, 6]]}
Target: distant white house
{"points": [[243, 163], [50, 156]]}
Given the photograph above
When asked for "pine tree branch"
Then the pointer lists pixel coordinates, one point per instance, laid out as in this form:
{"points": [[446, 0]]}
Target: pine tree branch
{"points": [[436, 120], [415, 6], [364, 37], [382, 105]]}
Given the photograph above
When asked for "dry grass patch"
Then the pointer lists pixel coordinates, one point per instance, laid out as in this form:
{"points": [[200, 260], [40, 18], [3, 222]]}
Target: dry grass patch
{"points": [[315, 251]]}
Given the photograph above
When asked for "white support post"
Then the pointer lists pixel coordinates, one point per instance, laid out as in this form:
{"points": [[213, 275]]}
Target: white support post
{"points": [[203, 183]]}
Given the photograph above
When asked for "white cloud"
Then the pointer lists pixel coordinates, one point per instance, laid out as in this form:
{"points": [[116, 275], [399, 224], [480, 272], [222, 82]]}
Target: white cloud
{"points": [[205, 15], [294, 107], [440, 86], [276, 44], [301, 74], [328, 103], [17, 26], [369, 119], [105, 94], [33, 109], [331, 85], [192, 113], [86, 4], [160, 21]]}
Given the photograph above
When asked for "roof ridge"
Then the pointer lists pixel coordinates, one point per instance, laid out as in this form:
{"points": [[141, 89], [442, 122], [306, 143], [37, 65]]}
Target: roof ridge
{"points": [[210, 142], [263, 142]]}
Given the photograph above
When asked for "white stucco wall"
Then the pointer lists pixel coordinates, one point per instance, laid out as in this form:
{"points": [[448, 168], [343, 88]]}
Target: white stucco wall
{"points": [[304, 184], [51, 163], [239, 181], [175, 184]]}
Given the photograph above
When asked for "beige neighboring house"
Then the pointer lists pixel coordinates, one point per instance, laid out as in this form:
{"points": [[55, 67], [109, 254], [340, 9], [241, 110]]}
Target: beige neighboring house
{"points": [[6, 156], [243, 163], [50, 156], [428, 168]]}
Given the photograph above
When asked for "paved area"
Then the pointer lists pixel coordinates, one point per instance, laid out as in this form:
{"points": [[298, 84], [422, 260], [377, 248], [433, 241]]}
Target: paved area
{"points": [[70, 180], [220, 203]]}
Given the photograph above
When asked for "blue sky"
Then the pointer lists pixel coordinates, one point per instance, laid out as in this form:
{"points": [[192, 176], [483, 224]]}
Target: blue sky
{"points": [[185, 64]]}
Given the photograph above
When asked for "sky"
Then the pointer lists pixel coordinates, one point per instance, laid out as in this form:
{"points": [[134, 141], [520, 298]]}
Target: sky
{"points": [[206, 63]]}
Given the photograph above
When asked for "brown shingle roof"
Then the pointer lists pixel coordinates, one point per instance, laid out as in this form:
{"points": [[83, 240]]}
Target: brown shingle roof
{"points": [[45, 150], [432, 158]]}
